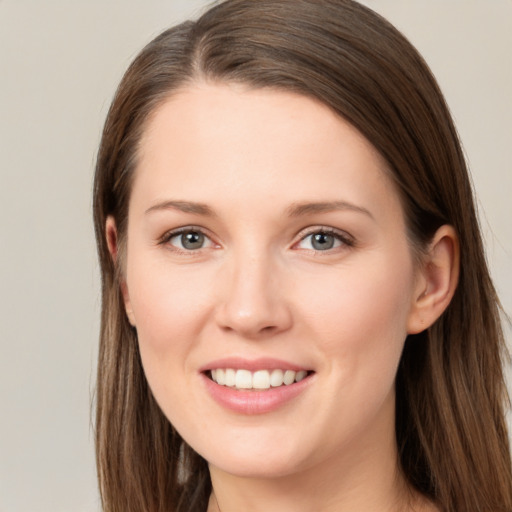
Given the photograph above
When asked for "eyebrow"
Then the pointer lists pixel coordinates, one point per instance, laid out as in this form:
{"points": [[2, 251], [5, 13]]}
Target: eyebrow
{"points": [[183, 206], [299, 209], [294, 210]]}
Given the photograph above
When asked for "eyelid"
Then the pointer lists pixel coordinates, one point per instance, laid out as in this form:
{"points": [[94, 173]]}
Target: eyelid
{"points": [[345, 238], [168, 235]]}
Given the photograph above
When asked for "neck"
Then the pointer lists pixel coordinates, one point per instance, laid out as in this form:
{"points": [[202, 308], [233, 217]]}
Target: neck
{"points": [[362, 474], [354, 483]]}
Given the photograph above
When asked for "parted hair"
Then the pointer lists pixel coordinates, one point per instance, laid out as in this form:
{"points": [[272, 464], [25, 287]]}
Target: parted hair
{"points": [[450, 391]]}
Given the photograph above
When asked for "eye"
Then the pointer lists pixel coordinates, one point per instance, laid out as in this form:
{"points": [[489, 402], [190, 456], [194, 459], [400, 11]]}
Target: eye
{"points": [[188, 240], [324, 240]]}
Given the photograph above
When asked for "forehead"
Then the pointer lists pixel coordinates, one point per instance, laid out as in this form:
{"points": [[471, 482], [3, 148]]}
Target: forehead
{"points": [[237, 112], [229, 142]]}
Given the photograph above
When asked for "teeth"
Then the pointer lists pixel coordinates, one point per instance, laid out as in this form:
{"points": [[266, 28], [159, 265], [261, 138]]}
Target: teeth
{"points": [[289, 377], [276, 378], [243, 379], [221, 376], [300, 375], [261, 379], [230, 378]]}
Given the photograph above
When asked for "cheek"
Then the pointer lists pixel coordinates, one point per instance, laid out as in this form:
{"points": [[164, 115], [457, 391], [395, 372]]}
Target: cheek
{"points": [[358, 324], [169, 309], [361, 315], [168, 305]]}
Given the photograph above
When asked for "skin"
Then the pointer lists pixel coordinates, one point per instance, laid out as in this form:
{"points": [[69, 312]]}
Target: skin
{"points": [[259, 288]]}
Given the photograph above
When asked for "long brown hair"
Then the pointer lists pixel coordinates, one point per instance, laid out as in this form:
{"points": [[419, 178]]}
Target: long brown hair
{"points": [[450, 427]]}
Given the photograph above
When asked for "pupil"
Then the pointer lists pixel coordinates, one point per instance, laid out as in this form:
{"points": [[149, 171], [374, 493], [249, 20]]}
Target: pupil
{"points": [[323, 241], [192, 240]]}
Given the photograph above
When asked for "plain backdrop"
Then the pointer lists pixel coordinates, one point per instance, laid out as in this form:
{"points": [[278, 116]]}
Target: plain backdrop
{"points": [[60, 62]]}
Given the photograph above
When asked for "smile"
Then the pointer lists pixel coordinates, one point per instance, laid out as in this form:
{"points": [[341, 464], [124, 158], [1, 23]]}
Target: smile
{"points": [[256, 386], [259, 380]]}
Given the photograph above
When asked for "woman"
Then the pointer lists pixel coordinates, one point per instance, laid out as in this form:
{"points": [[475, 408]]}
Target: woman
{"points": [[297, 312]]}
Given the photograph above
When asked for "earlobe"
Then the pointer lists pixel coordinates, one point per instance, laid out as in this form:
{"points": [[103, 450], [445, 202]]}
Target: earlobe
{"points": [[113, 248], [127, 304], [438, 280]]}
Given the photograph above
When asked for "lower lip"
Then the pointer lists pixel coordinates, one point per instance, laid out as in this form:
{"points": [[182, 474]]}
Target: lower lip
{"points": [[255, 402]]}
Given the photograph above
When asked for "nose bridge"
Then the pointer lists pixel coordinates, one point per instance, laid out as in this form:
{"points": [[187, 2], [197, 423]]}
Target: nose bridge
{"points": [[254, 301]]}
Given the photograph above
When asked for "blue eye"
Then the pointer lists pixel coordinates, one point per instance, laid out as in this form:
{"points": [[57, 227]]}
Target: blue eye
{"points": [[323, 240], [189, 240]]}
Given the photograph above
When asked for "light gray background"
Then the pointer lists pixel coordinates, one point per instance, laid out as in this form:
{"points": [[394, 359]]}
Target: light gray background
{"points": [[60, 62]]}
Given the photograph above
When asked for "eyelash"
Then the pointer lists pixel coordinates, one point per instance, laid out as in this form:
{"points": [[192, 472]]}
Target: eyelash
{"points": [[345, 239], [167, 237]]}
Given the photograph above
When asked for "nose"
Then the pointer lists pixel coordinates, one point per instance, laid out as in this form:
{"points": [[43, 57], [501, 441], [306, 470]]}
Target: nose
{"points": [[253, 300]]}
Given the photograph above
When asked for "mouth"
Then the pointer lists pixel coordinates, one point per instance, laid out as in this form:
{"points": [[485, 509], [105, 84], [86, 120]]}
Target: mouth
{"points": [[256, 386], [259, 380]]}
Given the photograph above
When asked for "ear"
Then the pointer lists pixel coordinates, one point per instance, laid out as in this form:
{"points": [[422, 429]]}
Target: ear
{"points": [[113, 248], [437, 281]]}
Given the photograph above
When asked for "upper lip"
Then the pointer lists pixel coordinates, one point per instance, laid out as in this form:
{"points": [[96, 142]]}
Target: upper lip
{"points": [[262, 363]]}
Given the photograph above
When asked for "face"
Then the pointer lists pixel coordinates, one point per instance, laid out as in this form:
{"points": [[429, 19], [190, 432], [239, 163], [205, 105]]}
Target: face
{"points": [[269, 278]]}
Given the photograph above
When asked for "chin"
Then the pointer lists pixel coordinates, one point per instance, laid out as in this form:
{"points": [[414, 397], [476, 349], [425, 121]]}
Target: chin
{"points": [[256, 469], [256, 460]]}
